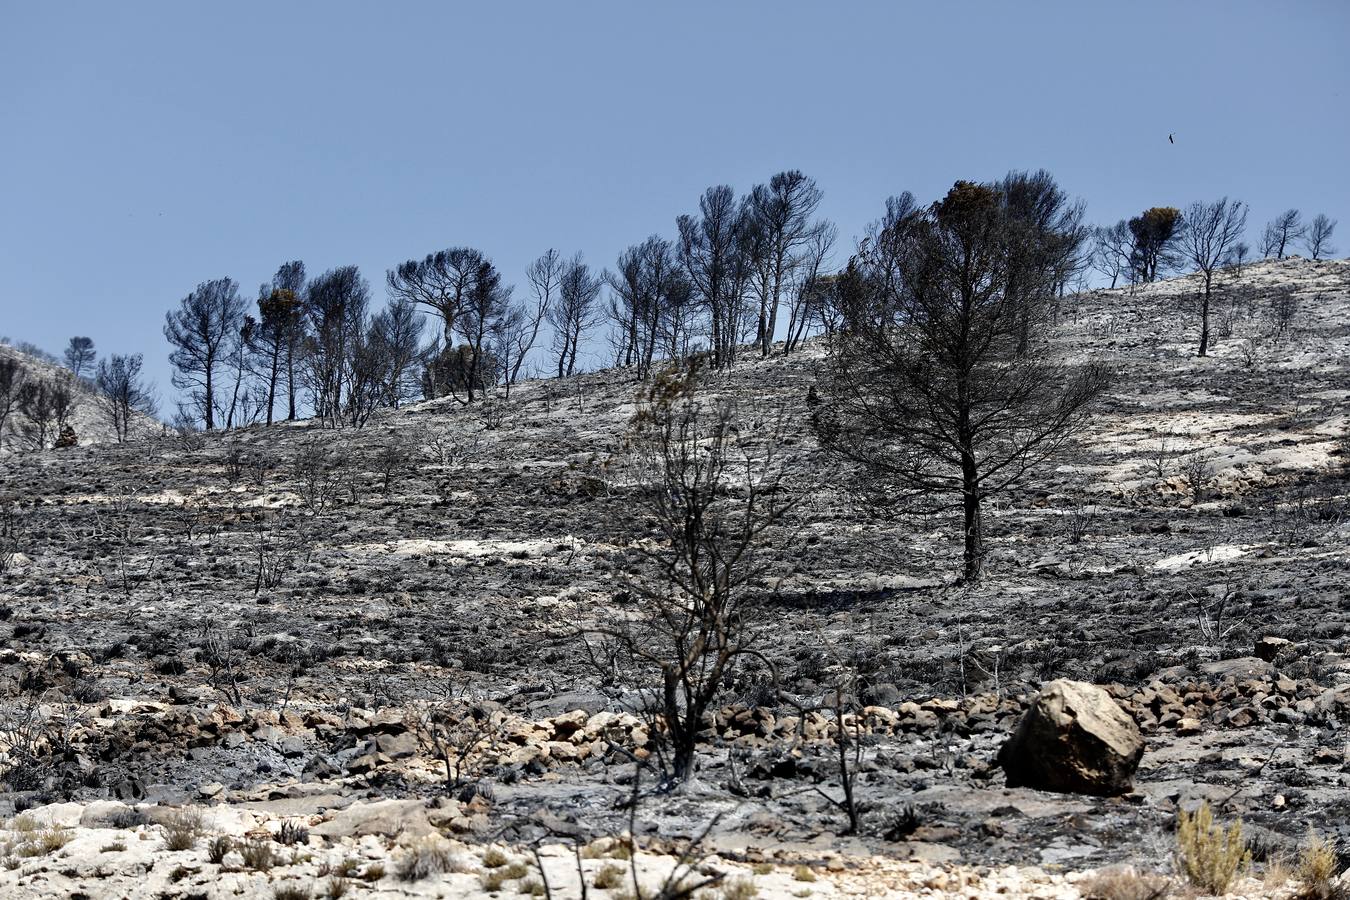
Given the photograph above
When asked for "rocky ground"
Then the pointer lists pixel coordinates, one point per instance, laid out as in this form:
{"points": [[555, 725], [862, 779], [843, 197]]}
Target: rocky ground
{"points": [[299, 630]]}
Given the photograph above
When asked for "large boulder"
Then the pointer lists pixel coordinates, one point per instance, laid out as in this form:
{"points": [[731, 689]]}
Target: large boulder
{"points": [[1074, 739]]}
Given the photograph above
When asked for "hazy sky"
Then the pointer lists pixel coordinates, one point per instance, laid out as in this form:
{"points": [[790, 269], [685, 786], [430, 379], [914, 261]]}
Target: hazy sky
{"points": [[148, 146]]}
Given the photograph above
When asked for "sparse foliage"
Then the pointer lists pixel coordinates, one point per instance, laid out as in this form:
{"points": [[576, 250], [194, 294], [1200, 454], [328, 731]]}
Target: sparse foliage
{"points": [[183, 829], [575, 312], [1237, 257], [925, 387], [1280, 232], [781, 235], [1282, 311], [462, 735], [713, 253], [1319, 870], [708, 497], [650, 306], [1125, 883], [1318, 239], [275, 340], [204, 332], [1196, 468], [1211, 230], [123, 393], [80, 355], [1113, 250], [12, 381]]}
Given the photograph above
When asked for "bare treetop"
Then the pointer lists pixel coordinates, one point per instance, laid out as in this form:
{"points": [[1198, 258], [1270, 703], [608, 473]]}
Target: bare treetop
{"points": [[1210, 232]]}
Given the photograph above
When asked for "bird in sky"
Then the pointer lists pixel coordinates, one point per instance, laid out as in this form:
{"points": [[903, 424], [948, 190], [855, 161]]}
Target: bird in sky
{"points": [[1169, 140]]}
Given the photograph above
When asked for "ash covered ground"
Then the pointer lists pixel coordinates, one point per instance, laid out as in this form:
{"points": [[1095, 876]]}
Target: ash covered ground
{"points": [[216, 627]]}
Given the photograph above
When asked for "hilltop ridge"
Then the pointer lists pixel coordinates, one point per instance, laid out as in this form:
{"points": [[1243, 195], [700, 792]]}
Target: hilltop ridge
{"points": [[88, 418]]}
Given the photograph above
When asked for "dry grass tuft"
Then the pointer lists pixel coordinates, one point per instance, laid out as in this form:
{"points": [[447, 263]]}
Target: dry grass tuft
{"points": [[1318, 870], [29, 838], [609, 876], [183, 829], [258, 855], [739, 889], [1125, 883], [1211, 856], [429, 856]]}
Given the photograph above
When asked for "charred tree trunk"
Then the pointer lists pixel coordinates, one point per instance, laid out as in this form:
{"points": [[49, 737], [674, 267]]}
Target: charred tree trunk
{"points": [[974, 525], [1204, 318]]}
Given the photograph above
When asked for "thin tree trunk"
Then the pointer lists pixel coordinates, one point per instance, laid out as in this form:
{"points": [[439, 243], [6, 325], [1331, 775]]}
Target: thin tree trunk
{"points": [[210, 399], [1204, 319], [272, 378], [974, 526], [773, 306], [290, 378]]}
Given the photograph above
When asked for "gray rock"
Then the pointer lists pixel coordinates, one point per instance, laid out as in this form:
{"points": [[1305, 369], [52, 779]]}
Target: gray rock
{"points": [[129, 787], [1334, 699], [1074, 739], [386, 721], [269, 734], [292, 746], [397, 746], [566, 702], [390, 818], [1242, 668], [367, 762], [319, 768], [301, 806], [1273, 648], [105, 814]]}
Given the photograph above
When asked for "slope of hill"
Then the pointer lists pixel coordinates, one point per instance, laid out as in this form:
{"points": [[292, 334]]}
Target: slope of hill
{"points": [[88, 417], [313, 627]]}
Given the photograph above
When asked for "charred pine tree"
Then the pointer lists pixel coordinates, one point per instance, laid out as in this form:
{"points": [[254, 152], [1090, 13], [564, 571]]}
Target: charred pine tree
{"points": [[122, 392], [1155, 233], [575, 312], [707, 492], [925, 387], [1211, 230], [204, 331], [1318, 237], [713, 250], [1280, 232]]}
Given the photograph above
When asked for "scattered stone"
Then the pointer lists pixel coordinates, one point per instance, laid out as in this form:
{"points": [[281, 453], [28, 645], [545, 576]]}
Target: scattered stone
{"points": [[367, 762]]}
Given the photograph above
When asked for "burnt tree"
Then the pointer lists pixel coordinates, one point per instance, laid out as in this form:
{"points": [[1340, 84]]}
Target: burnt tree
{"points": [[925, 387]]}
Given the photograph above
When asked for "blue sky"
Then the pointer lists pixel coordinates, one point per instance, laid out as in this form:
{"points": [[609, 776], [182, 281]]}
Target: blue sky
{"points": [[148, 146]]}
